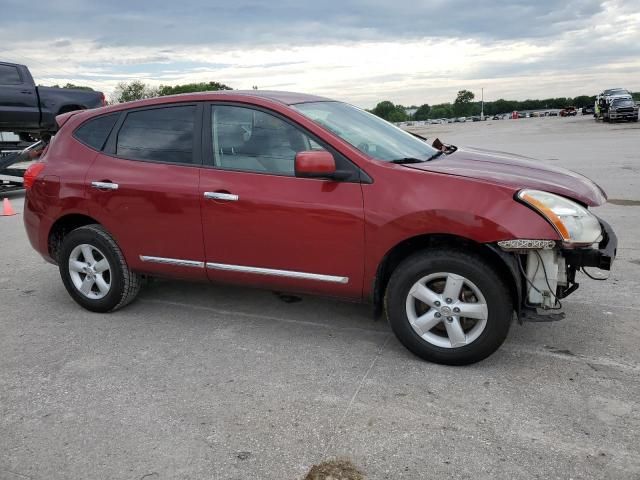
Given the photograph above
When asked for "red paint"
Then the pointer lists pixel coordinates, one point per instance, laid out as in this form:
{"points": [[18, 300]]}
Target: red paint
{"points": [[310, 164], [308, 225], [31, 173]]}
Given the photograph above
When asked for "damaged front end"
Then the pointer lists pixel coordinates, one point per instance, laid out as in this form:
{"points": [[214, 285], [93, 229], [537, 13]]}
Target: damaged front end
{"points": [[548, 270]]}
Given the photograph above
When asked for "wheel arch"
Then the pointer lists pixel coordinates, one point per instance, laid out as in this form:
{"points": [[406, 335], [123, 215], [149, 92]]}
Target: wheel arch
{"points": [[504, 263], [61, 227]]}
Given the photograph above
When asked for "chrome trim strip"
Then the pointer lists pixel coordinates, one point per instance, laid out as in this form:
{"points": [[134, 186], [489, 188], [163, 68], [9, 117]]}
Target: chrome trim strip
{"points": [[172, 261], [278, 273]]}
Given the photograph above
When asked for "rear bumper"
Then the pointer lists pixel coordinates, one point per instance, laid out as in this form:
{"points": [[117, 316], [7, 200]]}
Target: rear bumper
{"points": [[601, 257]]}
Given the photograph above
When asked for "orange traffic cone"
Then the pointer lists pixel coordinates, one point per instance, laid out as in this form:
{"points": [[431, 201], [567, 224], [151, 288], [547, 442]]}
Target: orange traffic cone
{"points": [[7, 209]]}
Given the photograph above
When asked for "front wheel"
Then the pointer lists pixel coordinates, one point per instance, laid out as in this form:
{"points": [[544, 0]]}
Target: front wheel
{"points": [[448, 306], [94, 270]]}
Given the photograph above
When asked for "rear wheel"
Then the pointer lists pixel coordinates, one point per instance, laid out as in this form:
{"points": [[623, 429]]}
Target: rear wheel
{"points": [[448, 306], [94, 270]]}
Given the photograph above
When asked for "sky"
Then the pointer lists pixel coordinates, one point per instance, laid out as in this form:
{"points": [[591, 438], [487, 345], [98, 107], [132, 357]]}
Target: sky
{"points": [[360, 51]]}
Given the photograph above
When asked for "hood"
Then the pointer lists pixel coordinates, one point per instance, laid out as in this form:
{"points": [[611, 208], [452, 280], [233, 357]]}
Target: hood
{"points": [[516, 171]]}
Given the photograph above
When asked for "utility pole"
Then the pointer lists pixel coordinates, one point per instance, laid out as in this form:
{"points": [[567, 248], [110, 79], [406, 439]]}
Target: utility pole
{"points": [[482, 106]]}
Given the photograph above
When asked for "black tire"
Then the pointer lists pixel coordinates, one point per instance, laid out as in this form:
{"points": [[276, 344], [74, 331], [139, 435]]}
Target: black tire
{"points": [[124, 284], [472, 267]]}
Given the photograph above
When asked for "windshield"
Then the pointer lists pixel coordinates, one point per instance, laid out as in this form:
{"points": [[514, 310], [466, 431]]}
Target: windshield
{"points": [[369, 134], [623, 102]]}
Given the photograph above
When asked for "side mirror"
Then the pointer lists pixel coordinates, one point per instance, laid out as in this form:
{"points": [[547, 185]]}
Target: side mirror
{"points": [[318, 164]]}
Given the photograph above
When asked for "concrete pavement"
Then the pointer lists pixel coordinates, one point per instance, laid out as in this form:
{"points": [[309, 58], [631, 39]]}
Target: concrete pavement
{"points": [[197, 381]]}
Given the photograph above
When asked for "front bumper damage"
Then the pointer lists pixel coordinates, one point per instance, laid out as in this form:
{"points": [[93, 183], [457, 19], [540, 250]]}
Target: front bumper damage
{"points": [[549, 274], [602, 257]]}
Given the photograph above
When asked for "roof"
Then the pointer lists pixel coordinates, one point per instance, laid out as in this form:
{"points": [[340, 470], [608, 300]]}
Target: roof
{"points": [[273, 96], [288, 98]]}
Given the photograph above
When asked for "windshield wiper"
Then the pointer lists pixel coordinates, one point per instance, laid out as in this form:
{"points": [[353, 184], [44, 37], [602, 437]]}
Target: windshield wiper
{"points": [[407, 160]]}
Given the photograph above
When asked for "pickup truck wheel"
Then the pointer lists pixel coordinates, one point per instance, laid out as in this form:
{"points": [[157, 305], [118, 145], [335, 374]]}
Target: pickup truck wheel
{"points": [[448, 306], [94, 271]]}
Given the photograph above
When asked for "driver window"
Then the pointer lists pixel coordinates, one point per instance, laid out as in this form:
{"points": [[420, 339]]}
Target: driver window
{"points": [[255, 141]]}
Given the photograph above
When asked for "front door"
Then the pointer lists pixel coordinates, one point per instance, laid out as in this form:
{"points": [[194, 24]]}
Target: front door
{"points": [[144, 189], [265, 227]]}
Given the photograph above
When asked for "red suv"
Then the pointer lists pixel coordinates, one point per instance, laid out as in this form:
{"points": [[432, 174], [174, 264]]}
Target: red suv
{"points": [[299, 193]]}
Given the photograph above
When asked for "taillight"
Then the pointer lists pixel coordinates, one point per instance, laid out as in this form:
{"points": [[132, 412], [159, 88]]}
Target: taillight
{"points": [[31, 174]]}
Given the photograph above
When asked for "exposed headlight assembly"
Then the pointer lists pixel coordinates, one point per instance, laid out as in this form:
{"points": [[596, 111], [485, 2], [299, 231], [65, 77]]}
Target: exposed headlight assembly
{"points": [[575, 224]]}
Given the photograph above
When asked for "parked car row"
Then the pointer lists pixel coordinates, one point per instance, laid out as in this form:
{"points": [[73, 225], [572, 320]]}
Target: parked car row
{"points": [[566, 112]]}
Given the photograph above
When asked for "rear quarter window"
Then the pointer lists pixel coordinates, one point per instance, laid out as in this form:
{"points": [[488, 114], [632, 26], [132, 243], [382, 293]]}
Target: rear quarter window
{"points": [[94, 133]]}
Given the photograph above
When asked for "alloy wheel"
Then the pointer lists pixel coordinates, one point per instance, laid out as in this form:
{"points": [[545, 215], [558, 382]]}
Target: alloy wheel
{"points": [[447, 310], [90, 271]]}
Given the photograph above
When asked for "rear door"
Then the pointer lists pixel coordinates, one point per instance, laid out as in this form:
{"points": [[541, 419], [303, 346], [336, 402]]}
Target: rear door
{"points": [[18, 100], [143, 187], [266, 227]]}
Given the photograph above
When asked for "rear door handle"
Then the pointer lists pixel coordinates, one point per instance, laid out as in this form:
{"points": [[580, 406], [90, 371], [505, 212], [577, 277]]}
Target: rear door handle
{"points": [[228, 197], [104, 185]]}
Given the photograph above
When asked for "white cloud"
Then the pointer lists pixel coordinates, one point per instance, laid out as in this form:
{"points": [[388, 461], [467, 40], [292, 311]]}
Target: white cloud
{"points": [[603, 52]]}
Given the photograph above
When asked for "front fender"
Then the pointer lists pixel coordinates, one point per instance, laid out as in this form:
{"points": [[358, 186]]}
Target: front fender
{"points": [[439, 204]]}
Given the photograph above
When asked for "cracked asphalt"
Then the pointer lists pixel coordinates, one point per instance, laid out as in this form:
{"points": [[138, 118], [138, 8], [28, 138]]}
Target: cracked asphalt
{"points": [[197, 381]]}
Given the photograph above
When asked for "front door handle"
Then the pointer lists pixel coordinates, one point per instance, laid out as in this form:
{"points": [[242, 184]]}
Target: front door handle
{"points": [[104, 185], [228, 197]]}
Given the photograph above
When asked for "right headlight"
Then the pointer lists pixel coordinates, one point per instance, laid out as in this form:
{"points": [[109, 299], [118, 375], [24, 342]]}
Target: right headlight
{"points": [[574, 223]]}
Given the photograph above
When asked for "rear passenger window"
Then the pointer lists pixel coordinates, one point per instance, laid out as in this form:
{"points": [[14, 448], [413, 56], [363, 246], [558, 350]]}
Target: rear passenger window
{"points": [[160, 134], [95, 132], [9, 75]]}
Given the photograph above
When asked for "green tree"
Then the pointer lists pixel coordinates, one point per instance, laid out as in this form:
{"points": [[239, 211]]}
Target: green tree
{"points": [[134, 90], [384, 109], [71, 85], [442, 110], [422, 113], [462, 103], [584, 101], [390, 112], [191, 87]]}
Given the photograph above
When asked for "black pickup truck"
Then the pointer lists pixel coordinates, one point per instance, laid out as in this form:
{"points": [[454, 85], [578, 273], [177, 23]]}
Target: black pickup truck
{"points": [[29, 110]]}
